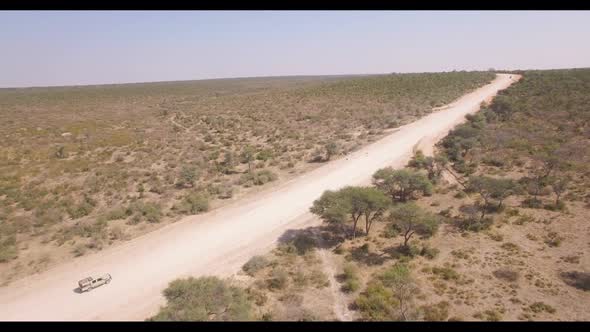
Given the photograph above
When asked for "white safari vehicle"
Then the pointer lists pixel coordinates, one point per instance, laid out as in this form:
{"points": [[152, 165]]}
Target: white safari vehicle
{"points": [[87, 284]]}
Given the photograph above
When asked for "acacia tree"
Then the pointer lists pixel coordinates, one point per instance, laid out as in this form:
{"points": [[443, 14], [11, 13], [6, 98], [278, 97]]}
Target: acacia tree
{"points": [[350, 204], [411, 219], [433, 165], [373, 203], [402, 184], [399, 279], [490, 188], [559, 186], [544, 164]]}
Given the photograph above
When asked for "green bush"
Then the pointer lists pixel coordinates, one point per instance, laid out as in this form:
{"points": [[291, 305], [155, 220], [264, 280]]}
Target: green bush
{"points": [[81, 210], [187, 177], [117, 213], [194, 202], [351, 282], [446, 273], [257, 178], [376, 302], [152, 212], [389, 296], [204, 299], [264, 155]]}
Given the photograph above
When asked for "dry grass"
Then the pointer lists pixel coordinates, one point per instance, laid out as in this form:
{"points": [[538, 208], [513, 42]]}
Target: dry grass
{"points": [[83, 168]]}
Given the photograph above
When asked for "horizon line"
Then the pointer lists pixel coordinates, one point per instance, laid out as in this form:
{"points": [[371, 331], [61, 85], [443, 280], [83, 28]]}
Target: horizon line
{"points": [[267, 77]]}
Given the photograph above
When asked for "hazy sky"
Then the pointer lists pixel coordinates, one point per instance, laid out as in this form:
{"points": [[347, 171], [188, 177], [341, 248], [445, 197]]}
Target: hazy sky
{"points": [[72, 47]]}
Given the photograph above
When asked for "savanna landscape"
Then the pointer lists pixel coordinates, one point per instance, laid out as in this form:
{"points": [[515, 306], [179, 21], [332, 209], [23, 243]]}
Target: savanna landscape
{"points": [[490, 226], [85, 168], [368, 166]]}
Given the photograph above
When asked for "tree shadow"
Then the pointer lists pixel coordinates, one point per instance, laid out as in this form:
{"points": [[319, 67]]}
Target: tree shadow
{"points": [[317, 159], [399, 252], [320, 237], [363, 255], [577, 279]]}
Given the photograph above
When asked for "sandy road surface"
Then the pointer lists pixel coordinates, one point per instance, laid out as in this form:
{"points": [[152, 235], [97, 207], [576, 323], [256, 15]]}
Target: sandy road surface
{"points": [[218, 242]]}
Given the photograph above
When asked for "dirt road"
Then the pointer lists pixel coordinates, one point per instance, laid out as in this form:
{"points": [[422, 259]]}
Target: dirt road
{"points": [[218, 242]]}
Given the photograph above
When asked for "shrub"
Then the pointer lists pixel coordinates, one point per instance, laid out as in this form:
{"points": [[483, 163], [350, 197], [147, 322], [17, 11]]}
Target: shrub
{"points": [[278, 279], [436, 312], [389, 296], [538, 307], [460, 194], [376, 302], [495, 236], [553, 239], [509, 246], [116, 233], [194, 202], [304, 243], [446, 273], [81, 210], [46, 216], [264, 155], [319, 279], [157, 188], [150, 211], [8, 248], [258, 297], [429, 252], [350, 278], [204, 299], [255, 264], [492, 315], [79, 250], [531, 202], [257, 178], [117, 213], [473, 224]]}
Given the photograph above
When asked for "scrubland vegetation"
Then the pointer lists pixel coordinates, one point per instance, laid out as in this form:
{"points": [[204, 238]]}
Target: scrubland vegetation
{"points": [[83, 168], [492, 227]]}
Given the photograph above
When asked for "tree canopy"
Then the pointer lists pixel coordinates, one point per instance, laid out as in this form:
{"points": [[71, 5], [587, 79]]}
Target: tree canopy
{"points": [[350, 204], [402, 184], [204, 299], [409, 218]]}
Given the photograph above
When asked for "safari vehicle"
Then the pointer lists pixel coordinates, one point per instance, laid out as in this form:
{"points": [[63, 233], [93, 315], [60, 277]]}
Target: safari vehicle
{"points": [[87, 284]]}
